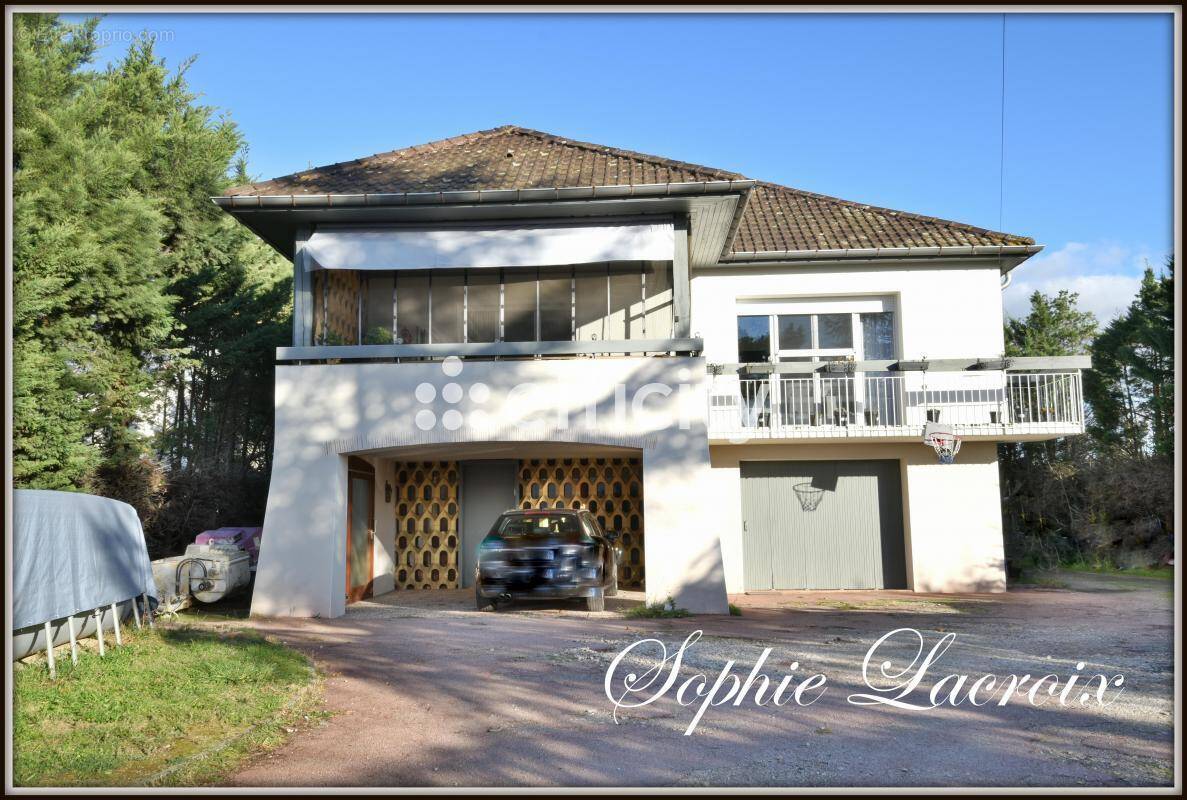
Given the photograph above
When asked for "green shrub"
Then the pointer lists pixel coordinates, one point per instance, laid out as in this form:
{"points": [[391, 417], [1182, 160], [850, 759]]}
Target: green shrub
{"points": [[665, 610]]}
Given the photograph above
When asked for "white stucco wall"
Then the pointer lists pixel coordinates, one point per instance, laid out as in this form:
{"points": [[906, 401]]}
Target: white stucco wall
{"points": [[942, 311], [323, 412], [951, 512], [955, 519]]}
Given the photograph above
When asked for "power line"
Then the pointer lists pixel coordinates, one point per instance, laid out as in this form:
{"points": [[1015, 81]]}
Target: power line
{"points": [[1001, 167]]}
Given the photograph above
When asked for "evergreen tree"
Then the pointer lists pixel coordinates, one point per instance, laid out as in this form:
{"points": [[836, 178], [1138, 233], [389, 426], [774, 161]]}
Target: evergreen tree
{"points": [[89, 306], [1032, 473], [1053, 327], [138, 304], [1101, 498], [1131, 387]]}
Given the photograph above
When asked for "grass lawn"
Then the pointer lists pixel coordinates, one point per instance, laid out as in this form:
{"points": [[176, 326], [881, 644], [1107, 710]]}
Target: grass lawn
{"points": [[181, 705]]}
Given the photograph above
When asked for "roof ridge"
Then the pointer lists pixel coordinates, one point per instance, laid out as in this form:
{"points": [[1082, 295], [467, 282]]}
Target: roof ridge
{"points": [[950, 223], [462, 138], [603, 148]]}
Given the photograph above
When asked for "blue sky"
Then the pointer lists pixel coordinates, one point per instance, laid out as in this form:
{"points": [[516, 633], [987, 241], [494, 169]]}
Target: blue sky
{"points": [[901, 111]]}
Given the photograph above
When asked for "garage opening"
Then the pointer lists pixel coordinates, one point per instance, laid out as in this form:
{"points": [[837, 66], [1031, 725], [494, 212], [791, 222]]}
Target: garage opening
{"points": [[822, 525], [432, 500]]}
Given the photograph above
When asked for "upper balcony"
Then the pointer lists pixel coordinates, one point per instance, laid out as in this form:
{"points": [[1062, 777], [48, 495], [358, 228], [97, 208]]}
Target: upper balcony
{"points": [[1003, 399], [494, 271], [494, 311], [602, 285]]}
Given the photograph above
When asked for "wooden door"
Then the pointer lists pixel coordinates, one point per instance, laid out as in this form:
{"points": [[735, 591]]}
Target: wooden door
{"points": [[360, 530]]}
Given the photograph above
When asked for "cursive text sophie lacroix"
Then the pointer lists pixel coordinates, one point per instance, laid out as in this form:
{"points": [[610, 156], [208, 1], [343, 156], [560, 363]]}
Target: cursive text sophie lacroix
{"points": [[886, 682]]}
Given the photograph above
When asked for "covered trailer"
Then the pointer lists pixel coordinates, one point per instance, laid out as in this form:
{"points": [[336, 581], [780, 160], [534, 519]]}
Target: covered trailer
{"points": [[80, 566]]}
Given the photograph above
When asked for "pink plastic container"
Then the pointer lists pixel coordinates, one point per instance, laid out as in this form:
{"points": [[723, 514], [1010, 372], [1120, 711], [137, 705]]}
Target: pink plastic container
{"points": [[244, 538]]}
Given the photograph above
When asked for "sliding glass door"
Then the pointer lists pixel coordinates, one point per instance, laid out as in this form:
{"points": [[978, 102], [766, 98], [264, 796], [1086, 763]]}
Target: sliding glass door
{"points": [[588, 302]]}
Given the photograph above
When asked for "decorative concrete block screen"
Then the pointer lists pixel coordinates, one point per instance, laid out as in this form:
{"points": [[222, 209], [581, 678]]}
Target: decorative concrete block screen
{"points": [[336, 307], [427, 531], [612, 488], [427, 525]]}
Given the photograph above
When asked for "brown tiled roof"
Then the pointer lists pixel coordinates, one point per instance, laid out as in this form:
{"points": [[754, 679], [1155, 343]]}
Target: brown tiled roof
{"points": [[777, 218]]}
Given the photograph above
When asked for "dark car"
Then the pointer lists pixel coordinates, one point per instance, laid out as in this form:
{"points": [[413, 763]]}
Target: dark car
{"points": [[547, 554]]}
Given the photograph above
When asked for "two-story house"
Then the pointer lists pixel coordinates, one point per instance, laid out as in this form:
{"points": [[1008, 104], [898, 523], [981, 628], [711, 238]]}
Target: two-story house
{"points": [[735, 375]]}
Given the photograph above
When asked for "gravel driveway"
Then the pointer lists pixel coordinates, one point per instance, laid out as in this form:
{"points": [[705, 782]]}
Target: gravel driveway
{"points": [[426, 692]]}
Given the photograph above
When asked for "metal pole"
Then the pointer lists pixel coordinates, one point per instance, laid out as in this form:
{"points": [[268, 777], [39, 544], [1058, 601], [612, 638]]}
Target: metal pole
{"points": [[115, 623], [136, 612], [147, 609], [99, 631], [73, 639], [49, 651]]}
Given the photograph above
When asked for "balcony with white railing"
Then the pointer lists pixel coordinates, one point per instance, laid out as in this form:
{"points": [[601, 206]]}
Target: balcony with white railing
{"points": [[979, 404]]}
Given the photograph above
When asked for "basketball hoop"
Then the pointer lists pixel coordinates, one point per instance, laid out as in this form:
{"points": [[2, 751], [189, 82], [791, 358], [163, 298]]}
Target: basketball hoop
{"points": [[941, 439], [808, 495]]}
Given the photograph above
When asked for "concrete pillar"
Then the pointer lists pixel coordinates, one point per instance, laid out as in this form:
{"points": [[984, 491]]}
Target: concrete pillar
{"points": [[955, 521]]}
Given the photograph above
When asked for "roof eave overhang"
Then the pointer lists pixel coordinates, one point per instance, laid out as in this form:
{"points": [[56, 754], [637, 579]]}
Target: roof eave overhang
{"points": [[1007, 256], [713, 206]]}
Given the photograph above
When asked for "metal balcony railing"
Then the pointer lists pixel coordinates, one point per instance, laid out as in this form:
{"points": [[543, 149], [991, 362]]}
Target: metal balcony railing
{"points": [[996, 403]]}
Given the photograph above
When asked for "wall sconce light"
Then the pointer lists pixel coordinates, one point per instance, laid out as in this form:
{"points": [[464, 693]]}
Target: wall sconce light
{"points": [[387, 492]]}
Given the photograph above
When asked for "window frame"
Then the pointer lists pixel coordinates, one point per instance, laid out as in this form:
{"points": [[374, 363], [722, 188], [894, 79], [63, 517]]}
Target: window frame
{"points": [[815, 307]]}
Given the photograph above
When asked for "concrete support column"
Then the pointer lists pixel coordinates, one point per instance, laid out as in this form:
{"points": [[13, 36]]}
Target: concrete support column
{"points": [[955, 521], [302, 291], [302, 565]]}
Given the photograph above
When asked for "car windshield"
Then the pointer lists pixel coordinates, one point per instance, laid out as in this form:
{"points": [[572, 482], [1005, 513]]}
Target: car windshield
{"points": [[539, 525]]}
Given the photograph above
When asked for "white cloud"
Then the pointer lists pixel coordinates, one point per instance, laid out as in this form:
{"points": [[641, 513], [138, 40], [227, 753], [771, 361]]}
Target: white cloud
{"points": [[1106, 275]]}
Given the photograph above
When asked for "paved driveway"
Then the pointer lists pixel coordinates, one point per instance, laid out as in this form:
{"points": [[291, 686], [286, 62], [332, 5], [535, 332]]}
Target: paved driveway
{"points": [[425, 692]]}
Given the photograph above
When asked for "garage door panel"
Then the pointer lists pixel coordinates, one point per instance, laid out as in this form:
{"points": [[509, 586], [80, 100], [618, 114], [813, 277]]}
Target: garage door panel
{"points": [[853, 538], [757, 546]]}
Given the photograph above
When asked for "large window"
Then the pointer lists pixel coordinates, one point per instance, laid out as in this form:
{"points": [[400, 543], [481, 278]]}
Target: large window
{"points": [[379, 310], [519, 305], [447, 305], [412, 307], [877, 335], [816, 330], [862, 329], [556, 305], [483, 292], [592, 302], [754, 338]]}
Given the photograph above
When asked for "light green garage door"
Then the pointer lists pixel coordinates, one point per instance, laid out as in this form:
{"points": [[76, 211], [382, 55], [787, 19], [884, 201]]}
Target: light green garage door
{"points": [[822, 525]]}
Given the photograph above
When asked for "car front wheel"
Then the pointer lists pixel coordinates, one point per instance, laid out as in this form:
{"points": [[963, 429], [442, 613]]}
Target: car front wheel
{"points": [[612, 586]]}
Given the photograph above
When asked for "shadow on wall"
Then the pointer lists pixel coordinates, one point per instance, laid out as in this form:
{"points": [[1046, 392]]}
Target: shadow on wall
{"points": [[700, 585]]}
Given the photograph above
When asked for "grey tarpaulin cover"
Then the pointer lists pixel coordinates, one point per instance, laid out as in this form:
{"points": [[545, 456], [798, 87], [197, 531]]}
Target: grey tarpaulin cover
{"points": [[74, 552]]}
